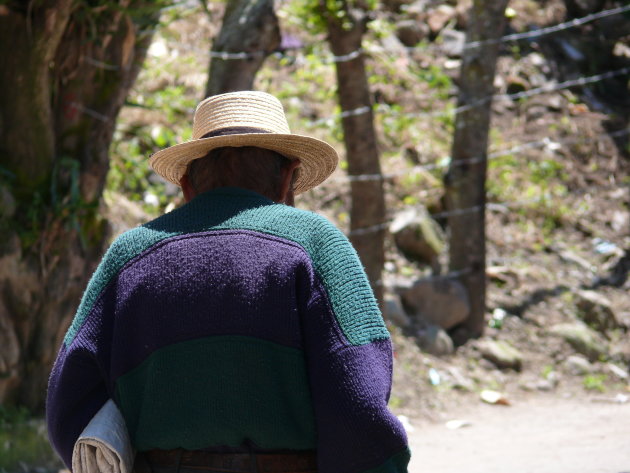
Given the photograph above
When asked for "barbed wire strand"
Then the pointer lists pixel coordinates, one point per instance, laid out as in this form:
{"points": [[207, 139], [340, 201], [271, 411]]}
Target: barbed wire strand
{"points": [[89, 112], [552, 87], [466, 46], [493, 205], [497, 207], [550, 29], [445, 161]]}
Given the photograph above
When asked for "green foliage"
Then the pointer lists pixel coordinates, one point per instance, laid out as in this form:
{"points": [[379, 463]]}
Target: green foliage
{"points": [[546, 371], [313, 14], [440, 83], [595, 382], [129, 166], [24, 443], [61, 206], [135, 141], [395, 402]]}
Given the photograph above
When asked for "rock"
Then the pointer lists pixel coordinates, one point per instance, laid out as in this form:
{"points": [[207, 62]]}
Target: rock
{"points": [[555, 102], [501, 354], [439, 17], [515, 84], [394, 312], [416, 10], [616, 371], [451, 64], [460, 381], [435, 340], [418, 237], [411, 32], [583, 339], [393, 46], [453, 42], [550, 382], [578, 365], [547, 385], [596, 311], [443, 302]]}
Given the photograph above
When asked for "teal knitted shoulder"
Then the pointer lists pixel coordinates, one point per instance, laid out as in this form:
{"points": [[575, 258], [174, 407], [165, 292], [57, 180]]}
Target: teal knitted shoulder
{"points": [[334, 259]]}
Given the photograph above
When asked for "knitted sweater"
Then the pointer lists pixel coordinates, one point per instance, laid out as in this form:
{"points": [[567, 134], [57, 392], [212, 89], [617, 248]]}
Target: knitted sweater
{"points": [[233, 319]]}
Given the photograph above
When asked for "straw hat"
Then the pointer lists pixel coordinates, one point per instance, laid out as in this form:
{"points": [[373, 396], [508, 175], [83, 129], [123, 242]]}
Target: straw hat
{"points": [[247, 119]]}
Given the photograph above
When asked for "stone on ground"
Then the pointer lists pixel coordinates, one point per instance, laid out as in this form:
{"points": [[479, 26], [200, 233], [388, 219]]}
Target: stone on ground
{"points": [[434, 340], [442, 302], [583, 339], [411, 32], [578, 365], [501, 354], [394, 311], [596, 311], [418, 237], [439, 17]]}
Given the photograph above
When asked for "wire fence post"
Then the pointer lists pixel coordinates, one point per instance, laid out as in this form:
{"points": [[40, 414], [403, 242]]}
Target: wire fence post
{"points": [[368, 200], [246, 26], [465, 179]]}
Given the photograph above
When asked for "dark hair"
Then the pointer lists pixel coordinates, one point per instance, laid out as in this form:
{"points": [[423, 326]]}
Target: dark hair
{"points": [[249, 167]]}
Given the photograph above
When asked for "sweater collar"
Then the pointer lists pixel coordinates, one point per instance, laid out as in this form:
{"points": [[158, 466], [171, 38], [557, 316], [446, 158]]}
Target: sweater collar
{"points": [[233, 192]]}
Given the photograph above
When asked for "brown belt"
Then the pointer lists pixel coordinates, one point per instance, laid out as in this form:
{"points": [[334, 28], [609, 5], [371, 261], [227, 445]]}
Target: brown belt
{"points": [[191, 461]]}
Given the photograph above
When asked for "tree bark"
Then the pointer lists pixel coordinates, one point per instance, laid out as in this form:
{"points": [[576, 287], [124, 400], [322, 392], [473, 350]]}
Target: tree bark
{"points": [[465, 180], [250, 28], [368, 202], [61, 89]]}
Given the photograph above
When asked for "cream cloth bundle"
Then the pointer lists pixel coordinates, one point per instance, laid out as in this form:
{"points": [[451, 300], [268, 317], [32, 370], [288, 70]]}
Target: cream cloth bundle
{"points": [[104, 445]]}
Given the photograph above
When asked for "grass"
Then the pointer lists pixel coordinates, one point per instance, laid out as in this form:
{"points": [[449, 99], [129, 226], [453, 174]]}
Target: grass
{"points": [[595, 382], [24, 443]]}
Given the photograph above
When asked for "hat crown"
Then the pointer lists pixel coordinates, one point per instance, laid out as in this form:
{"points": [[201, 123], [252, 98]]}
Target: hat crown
{"points": [[250, 109]]}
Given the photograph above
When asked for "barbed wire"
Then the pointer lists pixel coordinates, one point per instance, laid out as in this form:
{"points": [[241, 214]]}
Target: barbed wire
{"points": [[495, 207], [100, 64], [551, 87], [445, 161], [550, 29], [492, 205], [90, 112], [466, 46], [456, 274]]}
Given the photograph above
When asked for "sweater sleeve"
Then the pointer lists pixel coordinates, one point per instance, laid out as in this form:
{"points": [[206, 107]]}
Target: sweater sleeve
{"points": [[349, 359], [77, 386]]}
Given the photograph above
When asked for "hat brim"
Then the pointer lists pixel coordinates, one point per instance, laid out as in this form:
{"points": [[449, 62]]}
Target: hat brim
{"points": [[318, 159]]}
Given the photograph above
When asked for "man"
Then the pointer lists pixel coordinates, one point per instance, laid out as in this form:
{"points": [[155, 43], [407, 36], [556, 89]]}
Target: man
{"points": [[235, 333]]}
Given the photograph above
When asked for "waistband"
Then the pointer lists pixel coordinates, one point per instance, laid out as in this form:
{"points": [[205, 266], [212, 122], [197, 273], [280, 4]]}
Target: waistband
{"points": [[196, 461]]}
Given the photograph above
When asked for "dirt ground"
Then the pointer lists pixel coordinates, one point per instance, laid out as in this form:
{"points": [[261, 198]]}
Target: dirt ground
{"points": [[537, 434]]}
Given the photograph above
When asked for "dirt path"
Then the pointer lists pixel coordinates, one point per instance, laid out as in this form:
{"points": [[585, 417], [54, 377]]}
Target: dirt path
{"points": [[538, 435]]}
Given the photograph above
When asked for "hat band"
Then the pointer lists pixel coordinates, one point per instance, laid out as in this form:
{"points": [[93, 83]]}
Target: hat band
{"points": [[233, 130]]}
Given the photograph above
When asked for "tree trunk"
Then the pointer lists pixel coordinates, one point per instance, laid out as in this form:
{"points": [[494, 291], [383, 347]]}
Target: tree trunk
{"points": [[465, 180], [249, 33], [61, 89], [368, 202]]}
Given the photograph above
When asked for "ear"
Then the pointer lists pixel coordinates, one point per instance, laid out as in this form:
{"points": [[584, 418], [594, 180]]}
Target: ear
{"points": [[286, 190], [187, 188]]}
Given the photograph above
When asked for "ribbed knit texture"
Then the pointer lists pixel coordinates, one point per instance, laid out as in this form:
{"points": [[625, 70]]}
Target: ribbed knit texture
{"points": [[333, 257], [233, 320], [274, 376]]}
